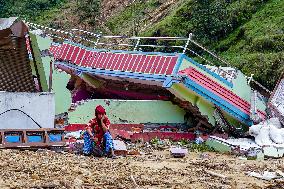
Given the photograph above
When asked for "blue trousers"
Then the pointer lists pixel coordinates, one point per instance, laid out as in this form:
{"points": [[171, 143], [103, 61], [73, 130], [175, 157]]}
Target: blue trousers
{"points": [[89, 144], [108, 142]]}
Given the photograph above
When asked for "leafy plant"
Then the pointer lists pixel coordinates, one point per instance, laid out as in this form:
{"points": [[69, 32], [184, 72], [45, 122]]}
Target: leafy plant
{"points": [[88, 10], [200, 148]]}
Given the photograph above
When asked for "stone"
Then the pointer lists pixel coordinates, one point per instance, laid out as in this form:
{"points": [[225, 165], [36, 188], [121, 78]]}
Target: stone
{"points": [[119, 148], [178, 152]]}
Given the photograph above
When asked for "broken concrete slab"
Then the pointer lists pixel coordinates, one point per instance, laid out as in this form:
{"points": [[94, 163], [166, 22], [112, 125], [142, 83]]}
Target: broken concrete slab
{"points": [[119, 148], [273, 151], [218, 145], [178, 152], [268, 132], [276, 101], [266, 175]]}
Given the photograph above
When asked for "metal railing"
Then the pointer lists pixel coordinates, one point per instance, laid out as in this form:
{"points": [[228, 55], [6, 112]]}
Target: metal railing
{"points": [[135, 43]]}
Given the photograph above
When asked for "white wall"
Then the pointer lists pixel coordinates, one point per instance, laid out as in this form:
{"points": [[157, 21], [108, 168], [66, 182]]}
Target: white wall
{"points": [[18, 109], [277, 100]]}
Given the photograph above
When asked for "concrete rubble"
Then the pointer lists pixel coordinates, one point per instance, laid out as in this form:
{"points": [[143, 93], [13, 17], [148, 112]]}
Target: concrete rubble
{"points": [[178, 152], [267, 175], [47, 169], [268, 140]]}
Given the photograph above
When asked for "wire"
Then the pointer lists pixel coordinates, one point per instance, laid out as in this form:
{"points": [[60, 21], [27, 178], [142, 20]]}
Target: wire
{"points": [[23, 113]]}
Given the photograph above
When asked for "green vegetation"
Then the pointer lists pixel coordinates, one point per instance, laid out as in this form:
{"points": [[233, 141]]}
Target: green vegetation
{"points": [[200, 148], [247, 33], [131, 17], [88, 10], [48, 12], [27, 9], [258, 45]]}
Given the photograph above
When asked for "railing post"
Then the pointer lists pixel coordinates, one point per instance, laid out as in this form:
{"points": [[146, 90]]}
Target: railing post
{"points": [[50, 75], [98, 39], [187, 43], [137, 44], [250, 78]]}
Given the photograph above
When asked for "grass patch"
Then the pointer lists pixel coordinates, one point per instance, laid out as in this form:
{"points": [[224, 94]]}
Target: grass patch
{"points": [[124, 20]]}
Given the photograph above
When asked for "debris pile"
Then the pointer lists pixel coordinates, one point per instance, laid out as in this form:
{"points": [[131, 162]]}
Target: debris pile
{"points": [[268, 133]]}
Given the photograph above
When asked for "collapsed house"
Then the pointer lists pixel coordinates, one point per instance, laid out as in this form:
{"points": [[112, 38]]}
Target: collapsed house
{"points": [[268, 134], [26, 106], [146, 94], [154, 89]]}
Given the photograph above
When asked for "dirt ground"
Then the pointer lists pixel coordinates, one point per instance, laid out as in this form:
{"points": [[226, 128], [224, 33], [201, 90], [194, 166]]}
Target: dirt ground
{"points": [[47, 169]]}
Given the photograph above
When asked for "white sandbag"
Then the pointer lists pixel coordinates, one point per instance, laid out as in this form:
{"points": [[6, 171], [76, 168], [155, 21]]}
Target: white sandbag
{"points": [[254, 130], [276, 135], [263, 137], [275, 122]]}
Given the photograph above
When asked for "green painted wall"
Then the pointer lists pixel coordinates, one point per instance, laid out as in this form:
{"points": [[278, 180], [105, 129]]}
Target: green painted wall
{"points": [[218, 146], [91, 80], [241, 88], [205, 108], [59, 79], [130, 111], [37, 47], [62, 95]]}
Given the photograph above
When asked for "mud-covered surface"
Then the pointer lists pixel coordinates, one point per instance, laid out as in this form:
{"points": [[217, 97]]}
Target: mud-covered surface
{"points": [[46, 169]]}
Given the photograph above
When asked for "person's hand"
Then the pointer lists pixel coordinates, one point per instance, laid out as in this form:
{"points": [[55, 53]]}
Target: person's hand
{"points": [[103, 118]]}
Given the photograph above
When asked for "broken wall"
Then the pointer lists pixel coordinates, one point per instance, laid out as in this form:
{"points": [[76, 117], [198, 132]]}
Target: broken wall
{"points": [[130, 111], [26, 110]]}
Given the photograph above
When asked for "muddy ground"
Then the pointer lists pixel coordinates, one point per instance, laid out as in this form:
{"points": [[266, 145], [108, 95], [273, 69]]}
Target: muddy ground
{"points": [[46, 169]]}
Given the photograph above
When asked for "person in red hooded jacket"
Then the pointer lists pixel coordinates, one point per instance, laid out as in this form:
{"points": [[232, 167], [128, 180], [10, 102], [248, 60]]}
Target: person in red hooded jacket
{"points": [[97, 136]]}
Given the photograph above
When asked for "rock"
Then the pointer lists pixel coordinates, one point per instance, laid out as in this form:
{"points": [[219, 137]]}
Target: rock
{"points": [[134, 153], [78, 183], [265, 176], [35, 177]]}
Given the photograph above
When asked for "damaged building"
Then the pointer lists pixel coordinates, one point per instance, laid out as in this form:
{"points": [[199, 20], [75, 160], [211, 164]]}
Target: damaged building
{"points": [[154, 89], [146, 94], [27, 106]]}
